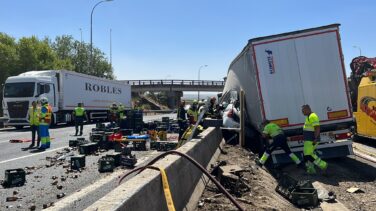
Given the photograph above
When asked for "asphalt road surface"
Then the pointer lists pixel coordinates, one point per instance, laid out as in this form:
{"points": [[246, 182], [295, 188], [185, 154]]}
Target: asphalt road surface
{"points": [[39, 189]]}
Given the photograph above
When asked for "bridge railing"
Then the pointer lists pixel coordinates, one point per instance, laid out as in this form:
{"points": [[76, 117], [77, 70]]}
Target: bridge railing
{"points": [[174, 82]]}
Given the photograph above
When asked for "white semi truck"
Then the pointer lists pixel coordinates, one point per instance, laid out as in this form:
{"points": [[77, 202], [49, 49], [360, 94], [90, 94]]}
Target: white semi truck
{"points": [[282, 72], [64, 89]]}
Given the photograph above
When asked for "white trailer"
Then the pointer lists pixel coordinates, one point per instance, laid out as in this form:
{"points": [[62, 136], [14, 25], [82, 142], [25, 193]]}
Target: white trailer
{"points": [[64, 90], [280, 73]]}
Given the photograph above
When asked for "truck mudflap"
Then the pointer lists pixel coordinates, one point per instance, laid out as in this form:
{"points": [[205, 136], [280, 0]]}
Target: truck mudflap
{"points": [[341, 148]]}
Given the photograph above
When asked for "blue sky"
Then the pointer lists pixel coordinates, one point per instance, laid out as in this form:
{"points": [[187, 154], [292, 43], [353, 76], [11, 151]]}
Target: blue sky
{"points": [[171, 39]]}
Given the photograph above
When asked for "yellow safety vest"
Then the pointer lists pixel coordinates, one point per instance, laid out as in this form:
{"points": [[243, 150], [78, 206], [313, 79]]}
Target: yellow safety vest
{"points": [[311, 121], [34, 116], [79, 111], [193, 113], [272, 130], [121, 111]]}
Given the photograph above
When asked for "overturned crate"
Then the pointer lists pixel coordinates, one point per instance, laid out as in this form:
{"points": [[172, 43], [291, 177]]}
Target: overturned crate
{"points": [[139, 144], [78, 142], [128, 161], [88, 149], [166, 145], [14, 178], [77, 162], [116, 156], [301, 193], [106, 164]]}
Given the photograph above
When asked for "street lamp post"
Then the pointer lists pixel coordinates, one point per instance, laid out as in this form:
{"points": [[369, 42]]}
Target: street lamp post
{"points": [[91, 31], [199, 69], [360, 50]]}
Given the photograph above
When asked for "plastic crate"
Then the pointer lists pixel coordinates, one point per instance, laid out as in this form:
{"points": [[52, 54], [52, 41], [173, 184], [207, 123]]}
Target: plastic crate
{"points": [[305, 197], [77, 162], [14, 178], [106, 164]]}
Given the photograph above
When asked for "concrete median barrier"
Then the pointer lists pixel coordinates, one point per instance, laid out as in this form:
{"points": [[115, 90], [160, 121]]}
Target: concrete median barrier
{"points": [[145, 192]]}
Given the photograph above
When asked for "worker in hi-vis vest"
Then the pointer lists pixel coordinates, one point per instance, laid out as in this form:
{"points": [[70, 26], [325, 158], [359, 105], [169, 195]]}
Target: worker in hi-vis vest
{"points": [[44, 123], [273, 131], [34, 124], [311, 136], [193, 112], [79, 115]]}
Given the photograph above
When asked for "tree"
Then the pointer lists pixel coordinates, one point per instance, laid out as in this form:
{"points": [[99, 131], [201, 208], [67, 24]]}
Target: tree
{"points": [[34, 54], [31, 53], [76, 56], [8, 60]]}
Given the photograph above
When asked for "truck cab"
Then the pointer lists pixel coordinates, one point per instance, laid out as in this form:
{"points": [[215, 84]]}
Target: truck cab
{"points": [[20, 91]]}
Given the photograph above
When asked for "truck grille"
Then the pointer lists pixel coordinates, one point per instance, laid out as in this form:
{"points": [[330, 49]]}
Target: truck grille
{"points": [[18, 109]]}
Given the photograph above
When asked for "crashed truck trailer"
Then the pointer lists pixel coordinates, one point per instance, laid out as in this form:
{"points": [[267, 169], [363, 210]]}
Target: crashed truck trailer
{"points": [[282, 72]]}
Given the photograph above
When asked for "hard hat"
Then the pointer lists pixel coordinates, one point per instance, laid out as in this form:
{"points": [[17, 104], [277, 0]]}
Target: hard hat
{"points": [[43, 100], [195, 102]]}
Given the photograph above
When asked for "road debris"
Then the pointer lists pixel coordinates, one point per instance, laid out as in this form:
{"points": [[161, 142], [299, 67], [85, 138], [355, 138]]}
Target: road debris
{"points": [[12, 198], [32, 207], [64, 156], [45, 206], [230, 176], [60, 195], [258, 192], [354, 190]]}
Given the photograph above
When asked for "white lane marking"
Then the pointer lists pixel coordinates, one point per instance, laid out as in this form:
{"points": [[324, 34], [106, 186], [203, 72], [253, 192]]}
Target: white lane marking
{"points": [[37, 153], [75, 197]]}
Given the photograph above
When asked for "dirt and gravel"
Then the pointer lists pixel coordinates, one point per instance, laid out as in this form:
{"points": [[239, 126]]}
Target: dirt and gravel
{"points": [[341, 175], [261, 195], [345, 173]]}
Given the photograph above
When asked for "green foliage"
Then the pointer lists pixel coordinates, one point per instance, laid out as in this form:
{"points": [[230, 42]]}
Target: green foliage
{"points": [[31, 53]]}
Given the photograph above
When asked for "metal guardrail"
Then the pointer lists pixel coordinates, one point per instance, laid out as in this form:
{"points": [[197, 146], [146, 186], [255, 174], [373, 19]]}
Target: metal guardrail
{"points": [[174, 82]]}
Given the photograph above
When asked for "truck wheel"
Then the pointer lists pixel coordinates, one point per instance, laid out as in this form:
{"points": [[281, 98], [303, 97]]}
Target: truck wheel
{"points": [[53, 123], [19, 127]]}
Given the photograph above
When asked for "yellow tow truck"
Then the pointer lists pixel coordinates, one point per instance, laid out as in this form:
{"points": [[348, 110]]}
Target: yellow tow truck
{"points": [[362, 85]]}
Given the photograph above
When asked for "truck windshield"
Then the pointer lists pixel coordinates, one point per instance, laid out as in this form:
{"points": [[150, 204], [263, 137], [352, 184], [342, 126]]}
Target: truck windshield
{"points": [[24, 89]]}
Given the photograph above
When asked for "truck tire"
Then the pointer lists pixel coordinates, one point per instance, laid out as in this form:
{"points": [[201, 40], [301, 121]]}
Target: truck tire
{"points": [[53, 123]]}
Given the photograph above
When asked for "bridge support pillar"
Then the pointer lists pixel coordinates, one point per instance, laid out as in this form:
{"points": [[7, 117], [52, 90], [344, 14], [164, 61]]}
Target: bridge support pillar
{"points": [[174, 98]]}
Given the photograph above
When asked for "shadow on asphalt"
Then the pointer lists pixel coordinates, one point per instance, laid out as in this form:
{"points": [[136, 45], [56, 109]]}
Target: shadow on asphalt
{"points": [[36, 150]]}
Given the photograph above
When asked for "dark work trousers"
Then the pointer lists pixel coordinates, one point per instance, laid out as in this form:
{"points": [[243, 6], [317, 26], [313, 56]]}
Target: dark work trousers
{"points": [[182, 128], [279, 141], [79, 121], [35, 130]]}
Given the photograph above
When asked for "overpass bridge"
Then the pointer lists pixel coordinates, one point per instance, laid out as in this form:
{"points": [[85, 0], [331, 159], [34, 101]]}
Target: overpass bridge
{"points": [[174, 88], [175, 85]]}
